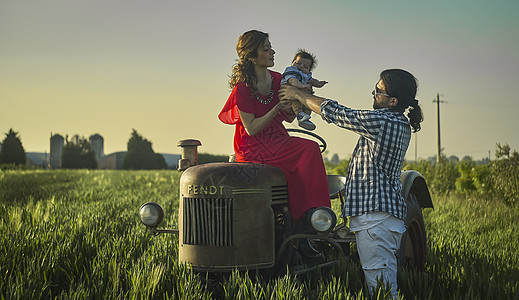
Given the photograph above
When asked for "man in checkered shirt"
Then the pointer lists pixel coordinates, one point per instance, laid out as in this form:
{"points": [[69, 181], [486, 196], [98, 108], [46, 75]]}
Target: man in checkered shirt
{"points": [[374, 201]]}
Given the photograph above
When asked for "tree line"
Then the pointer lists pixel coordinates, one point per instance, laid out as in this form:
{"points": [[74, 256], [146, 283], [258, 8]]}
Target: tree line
{"points": [[491, 180], [78, 154], [495, 179]]}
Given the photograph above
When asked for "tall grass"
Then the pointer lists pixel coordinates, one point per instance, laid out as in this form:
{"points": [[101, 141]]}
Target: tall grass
{"points": [[75, 234], [474, 249]]}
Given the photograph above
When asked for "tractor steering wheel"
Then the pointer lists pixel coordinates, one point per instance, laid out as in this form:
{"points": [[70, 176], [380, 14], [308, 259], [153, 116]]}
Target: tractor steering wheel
{"points": [[323, 143]]}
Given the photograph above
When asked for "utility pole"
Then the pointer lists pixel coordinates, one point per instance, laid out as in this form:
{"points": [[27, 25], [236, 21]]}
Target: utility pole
{"points": [[416, 147], [437, 101]]}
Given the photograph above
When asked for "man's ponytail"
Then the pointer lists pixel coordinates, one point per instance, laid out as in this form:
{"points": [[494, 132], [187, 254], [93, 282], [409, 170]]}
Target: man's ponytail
{"points": [[415, 115]]}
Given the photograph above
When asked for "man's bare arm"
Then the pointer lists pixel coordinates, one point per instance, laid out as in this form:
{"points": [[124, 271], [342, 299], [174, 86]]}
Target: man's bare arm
{"points": [[308, 100]]}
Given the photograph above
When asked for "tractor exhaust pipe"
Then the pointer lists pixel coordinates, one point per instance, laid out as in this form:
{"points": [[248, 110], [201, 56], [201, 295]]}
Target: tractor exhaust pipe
{"points": [[189, 154]]}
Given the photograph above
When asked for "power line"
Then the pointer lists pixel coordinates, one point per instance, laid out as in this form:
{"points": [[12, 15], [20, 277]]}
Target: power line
{"points": [[464, 103]]}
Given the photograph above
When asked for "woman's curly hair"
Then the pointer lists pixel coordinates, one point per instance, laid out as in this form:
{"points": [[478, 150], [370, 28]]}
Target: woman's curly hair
{"points": [[247, 49]]}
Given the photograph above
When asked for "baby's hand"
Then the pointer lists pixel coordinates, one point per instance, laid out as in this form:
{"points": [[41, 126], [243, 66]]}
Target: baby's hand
{"points": [[320, 84], [308, 88]]}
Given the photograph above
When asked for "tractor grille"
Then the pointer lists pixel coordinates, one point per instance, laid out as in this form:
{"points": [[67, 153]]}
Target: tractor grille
{"points": [[279, 194], [208, 222]]}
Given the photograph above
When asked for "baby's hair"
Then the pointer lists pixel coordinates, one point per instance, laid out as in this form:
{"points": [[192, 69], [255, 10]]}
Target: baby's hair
{"points": [[305, 54]]}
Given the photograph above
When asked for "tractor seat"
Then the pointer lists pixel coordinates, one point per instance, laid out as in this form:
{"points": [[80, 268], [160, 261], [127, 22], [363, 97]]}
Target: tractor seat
{"points": [[336, 185]]}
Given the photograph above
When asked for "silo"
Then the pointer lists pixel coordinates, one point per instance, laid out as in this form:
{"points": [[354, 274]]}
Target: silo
{"points": [[56, 149], [97, 145]]}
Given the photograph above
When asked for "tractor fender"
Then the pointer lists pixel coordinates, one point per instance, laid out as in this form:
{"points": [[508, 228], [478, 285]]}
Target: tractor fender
{"points": [[414, 183]]}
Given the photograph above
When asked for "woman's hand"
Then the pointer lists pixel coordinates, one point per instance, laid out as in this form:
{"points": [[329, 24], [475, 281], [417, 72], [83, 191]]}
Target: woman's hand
{"points": [[254, 125], [283, 105], [286, 106]]}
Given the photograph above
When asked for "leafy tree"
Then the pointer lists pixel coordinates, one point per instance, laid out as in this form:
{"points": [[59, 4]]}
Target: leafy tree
{"points": [[505, 174], [12, 150], [453, 159], [140, 155], [77, 154], [341, 168]]}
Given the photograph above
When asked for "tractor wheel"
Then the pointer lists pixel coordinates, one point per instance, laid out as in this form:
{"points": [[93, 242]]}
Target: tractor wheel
{"points": [[413, 245], [283, 229]]}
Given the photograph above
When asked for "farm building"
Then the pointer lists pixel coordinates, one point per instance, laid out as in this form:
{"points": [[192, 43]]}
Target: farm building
{"points": [[112, 161]]}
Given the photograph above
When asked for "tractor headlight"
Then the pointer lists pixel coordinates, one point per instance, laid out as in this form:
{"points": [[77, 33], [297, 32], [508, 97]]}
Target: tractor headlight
{"points": [[323, 219], [151, 214]]}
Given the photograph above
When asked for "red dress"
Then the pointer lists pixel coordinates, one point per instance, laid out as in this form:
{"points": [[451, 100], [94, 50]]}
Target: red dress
{"points": [[299, 158]]}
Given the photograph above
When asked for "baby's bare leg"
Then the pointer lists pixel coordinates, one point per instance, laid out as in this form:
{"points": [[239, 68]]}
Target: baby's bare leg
{"points": [[297, 107]]}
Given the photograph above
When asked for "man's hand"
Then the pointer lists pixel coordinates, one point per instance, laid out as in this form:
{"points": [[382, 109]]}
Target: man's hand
{"points": [[292, 93], [287, 92]]}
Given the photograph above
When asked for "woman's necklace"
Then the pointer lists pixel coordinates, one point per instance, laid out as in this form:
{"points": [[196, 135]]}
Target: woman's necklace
{"points": [[271, 95]]}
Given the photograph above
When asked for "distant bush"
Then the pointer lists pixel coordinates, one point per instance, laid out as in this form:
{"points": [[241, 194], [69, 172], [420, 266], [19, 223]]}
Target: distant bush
{"points": [[474, 179], [18, 167], [204, 158], [493, 180], [444, 177]]}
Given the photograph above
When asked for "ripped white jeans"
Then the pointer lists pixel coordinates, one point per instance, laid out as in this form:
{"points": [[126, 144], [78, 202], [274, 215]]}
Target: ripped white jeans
{"points": [[377, 247]]}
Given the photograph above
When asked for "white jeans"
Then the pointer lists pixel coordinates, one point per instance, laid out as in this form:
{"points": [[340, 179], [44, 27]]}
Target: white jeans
{"points": [[377, 247]]}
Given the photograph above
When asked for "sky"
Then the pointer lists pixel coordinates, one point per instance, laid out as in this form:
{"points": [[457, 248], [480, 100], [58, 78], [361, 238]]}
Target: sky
{"points": [[162, 67]]}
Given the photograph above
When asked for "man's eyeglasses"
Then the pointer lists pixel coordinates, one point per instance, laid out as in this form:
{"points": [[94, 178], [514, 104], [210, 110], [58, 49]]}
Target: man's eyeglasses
{"points": [[382, 94]]}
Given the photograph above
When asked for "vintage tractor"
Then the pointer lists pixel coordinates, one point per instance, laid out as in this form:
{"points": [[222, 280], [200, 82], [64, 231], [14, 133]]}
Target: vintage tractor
{"points": [[235, 216]]}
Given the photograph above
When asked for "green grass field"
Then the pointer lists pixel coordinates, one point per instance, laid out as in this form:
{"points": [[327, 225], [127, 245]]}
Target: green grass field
{"points": [[75, 234]]}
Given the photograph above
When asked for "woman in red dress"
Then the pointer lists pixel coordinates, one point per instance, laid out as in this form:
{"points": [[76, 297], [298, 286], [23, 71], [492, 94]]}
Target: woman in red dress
{"points": [[260, 137]]}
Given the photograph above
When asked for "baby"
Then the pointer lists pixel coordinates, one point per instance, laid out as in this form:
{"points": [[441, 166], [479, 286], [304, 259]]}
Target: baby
{"points": [[299, 74]]}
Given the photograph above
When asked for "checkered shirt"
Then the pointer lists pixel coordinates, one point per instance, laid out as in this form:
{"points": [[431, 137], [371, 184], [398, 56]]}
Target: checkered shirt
{"points": [[373, 179]]}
